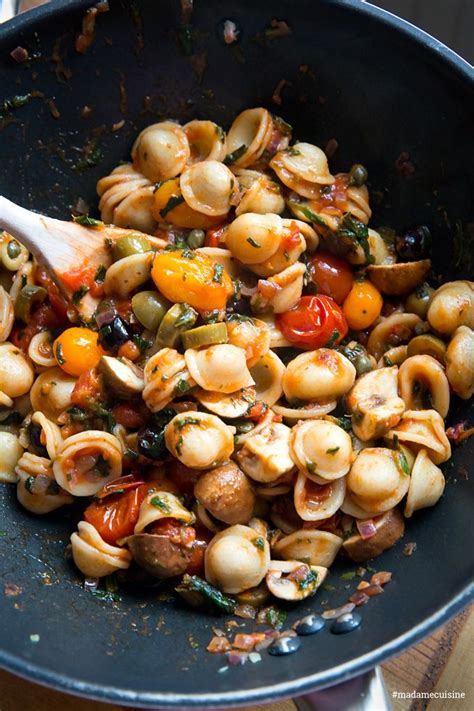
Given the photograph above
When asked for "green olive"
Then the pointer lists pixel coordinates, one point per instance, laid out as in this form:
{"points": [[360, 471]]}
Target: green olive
{"points": [[419, 300], [13, 249], [358, 175], [363, 364], [207, 335], [243, 426], [256, 597], [130, 244], [29, 296], [196, 239], [427, 344], [179, 318], [150, 307]]}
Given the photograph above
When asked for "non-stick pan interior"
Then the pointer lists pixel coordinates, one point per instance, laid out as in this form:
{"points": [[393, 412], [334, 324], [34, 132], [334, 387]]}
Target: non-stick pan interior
{"points": [[350, 75]]}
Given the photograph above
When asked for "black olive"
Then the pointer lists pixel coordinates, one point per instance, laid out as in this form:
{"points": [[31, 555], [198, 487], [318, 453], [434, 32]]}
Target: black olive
{"points": [[414, 244], [151, 442], [34, 432], [114, 334]]}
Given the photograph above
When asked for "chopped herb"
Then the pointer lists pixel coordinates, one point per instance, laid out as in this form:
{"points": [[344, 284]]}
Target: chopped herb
{"points": [[179, 445], [180, 424], [87, 221], [387, 361], [218, 271], [213, 316], [275, 617], [252, 242], [403, 463], [259, 543], [311, 467], [101, 411], [160, 504], [79, 294], [3, 534], [77, 413], [327, 588], [349, 575], [29, 483], [195, 590], [235, 155], [173, 202], [369, 569], [181, 387], [220, 134], [345, 422], [100, 274], [142, 343], [352, 531], [395, 441], [102, 466], [14, 103], [310, 579], [159, 184], [59, 354], [333, 339], [187, 318], [293, 151], [106, 595], [307, 212], [91, 158], [332, 450], [357, 232]]}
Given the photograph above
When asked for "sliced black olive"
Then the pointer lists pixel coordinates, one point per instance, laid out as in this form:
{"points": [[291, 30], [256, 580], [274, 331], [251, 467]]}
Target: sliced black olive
{"points": [[34, 432], [151, 442], [414, 244], [114, 334]]}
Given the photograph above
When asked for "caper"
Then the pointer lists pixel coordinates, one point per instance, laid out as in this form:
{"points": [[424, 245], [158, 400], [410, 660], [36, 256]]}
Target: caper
{"points": [[419, 300], [363, 364], [243, 426], [427, 344], [358, 175], [13, 249], [196, 239], [149, 307], [130, 244], [29, 296]]}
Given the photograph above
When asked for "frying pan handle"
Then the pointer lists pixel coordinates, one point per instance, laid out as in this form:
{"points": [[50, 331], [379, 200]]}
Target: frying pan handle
{"points": [[362, 693]]}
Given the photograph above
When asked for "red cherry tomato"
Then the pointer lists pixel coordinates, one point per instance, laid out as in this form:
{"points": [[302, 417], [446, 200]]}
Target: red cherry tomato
{"points": [[315, 322], [332, 276], [115, 516], [183, 477]]}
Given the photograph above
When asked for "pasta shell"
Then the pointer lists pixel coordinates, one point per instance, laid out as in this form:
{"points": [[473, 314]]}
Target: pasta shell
{"points": [[277, 340], [261, 194], [232, 405], [253, 335], [267, 373], [40, 350], [460, 362], [161, 151], [305, 163], [10, 452], [7, 315], [394, 356], [350, 508], [452, 305], [423, 429], [237, 559], [51, 393], [199, 440], [127, 274], [307, 581], [224, 257], [316, 503], [421, 377], [309, 546], [126, 198], [310, 236], [376, 480], [375, 404], [51, 432], [162, 504], [93, 556], [291, 247], [37, 490], [16, 373], [209, 188], [400, 325], [254, 238], [207, 141], [87, 461], [265, 456], [318, 376], [280, 292], [249, 134], [322, 448], [23, 277], [307, 412], [165, 374], [221, 368], [426, 484]]}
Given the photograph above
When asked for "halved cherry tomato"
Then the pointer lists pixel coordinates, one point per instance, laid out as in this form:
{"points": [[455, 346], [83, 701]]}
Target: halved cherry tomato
{"points": [[88, 389], [116, 516], [77, 350], [196, 564], [315, 322], [332, 276], [183, 476]]}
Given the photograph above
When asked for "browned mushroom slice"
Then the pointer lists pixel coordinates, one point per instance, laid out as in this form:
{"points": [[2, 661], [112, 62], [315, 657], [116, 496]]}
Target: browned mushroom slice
{"points": [[226, 493], [122, 376], [389, 529], [158, 555], [398, 279]]}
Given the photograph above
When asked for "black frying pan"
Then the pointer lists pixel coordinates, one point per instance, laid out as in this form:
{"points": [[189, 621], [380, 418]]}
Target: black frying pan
{"points": [[380, 87]]}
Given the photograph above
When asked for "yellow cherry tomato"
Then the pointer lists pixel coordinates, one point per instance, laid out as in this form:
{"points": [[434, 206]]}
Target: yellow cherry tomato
{"points": [[170, 206], [183, 276], [77, 350], [362, 306]]}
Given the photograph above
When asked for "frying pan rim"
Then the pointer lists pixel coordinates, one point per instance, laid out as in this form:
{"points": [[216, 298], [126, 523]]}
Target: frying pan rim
{"points": [[37, 673]]}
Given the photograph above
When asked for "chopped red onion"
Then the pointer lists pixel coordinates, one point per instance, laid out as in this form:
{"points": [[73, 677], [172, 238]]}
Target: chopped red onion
{"points": [[359, 598], [247, 612], [373, 590], [19, 54], [381, 578], [105, 315], [237, 658], [338, 611], [366, 528]]}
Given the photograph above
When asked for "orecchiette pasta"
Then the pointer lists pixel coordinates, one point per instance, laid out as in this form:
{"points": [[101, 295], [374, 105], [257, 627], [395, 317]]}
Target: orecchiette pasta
{"points": [[51, 393], [249, 136], [379, 479], [199, 440], [398, 327], [126, 199], [280, 292], [16, 373], [422, 380], [6, 315], [321, 449], [227, 405], [253, 335], [207, 141], [267, 373], [426, 484], [161, 151], [86, 461], [452, 305], [305, 581], [165, 374], [423, 429], [93, 556], [222, 368], [309, 546], [260, 193], [460, 362], [40, 350], [10, 452], [237, 559], [375, 404], [50, 432], [128, 274], [314, 502], [37, 490], [161, 504], [209, 187], [265, 456], [320, 376]]}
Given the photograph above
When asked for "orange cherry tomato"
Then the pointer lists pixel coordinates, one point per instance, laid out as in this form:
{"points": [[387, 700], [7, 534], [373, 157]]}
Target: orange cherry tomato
{"points": [[115, 516], [169, 206], [184, 276], [363, 305], [77, 350], [332, 276], [315, 322]]}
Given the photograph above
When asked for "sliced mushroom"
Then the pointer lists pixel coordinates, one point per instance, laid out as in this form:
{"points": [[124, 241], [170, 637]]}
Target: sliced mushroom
{"points": [[158, 555], [400, 278], [389, 529], [226, 493], [375, 404], [309, 546], [266, 456], [122, 376], [292, 580]]}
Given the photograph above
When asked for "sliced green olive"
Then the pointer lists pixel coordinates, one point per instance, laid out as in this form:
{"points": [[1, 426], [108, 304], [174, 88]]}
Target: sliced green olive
{"points": [[130, 244], [363, 364], [196, 239], [426, 344], [358, 175], [29, 296], [419, 300], [13, 249], [177, 319], [150, 307], [207, 335]]}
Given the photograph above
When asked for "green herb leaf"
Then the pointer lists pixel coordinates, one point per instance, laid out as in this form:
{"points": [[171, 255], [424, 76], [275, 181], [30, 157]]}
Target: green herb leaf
{"points": [[345, 422], [332, 450], [235, 155], [307, 212], [79, 294], [275, 617], [102, 466], [87, 221], [349, 575], [195, 589], [333, 339], [173, 202], [142, 343], [100, 274], [358, 233], [220, 134], [259, 543], [311, 467], [252, 242], [403, 463], [218, 271], [181, 387], [160, 504]]}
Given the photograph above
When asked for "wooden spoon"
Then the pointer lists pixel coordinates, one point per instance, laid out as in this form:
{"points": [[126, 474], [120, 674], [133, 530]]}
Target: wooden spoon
{"points": [[64, 246]]}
